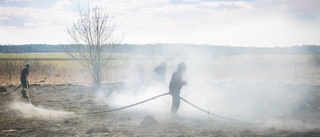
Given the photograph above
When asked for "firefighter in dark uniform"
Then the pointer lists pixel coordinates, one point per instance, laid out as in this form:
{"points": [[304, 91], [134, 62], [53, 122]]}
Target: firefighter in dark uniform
{"points": [[175, 86], [24, 81], [160, 72]]}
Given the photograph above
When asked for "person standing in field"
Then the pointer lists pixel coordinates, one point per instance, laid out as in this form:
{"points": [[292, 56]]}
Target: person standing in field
{"points": [[24, 81], [175, 86], [160, 72]]}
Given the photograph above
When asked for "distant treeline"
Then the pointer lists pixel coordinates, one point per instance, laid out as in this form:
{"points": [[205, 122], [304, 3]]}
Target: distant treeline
{"points": [[176, 49]]}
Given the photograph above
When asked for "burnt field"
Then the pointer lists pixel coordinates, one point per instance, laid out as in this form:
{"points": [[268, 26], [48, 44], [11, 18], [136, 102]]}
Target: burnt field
{"points": [[248, 95], [259, 110]]}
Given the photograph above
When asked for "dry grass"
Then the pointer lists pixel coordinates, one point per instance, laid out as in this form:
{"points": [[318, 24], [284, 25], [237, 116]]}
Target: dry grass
{"points": [[259, 69]]}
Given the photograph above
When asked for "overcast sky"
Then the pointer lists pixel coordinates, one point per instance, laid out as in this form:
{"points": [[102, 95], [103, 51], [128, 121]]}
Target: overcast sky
{"points": [[263, 23]]}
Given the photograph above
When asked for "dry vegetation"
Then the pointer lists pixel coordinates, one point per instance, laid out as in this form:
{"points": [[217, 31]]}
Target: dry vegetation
{"points": [[260, 69], [60, 88]]}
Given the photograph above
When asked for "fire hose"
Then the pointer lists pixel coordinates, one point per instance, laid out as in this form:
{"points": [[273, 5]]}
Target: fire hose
{"points": [[106, 111], [28, 95], [117, 109], [111, 110], [12, 90]]}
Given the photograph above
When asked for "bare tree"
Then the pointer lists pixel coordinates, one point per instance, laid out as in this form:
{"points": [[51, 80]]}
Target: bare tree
{"points": [[93, 40]]}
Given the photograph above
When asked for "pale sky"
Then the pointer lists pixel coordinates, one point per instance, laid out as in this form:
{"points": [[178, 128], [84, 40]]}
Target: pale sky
{"points": [[261, 23]]}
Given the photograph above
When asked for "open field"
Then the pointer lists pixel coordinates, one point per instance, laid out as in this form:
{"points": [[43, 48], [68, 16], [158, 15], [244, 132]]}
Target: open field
{"points": [[261, 69], [269, 95], [55, 104]]}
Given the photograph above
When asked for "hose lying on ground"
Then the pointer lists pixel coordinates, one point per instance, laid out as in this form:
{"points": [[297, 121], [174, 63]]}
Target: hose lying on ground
{"points": [[206, 111], [106, 111], [11, 91]]}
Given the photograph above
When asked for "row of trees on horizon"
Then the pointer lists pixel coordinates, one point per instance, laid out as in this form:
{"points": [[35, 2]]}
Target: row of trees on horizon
{"points": [[174, 49]]}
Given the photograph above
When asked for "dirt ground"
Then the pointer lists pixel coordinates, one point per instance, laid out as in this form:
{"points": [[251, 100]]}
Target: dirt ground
{"points": [[53, 107]]}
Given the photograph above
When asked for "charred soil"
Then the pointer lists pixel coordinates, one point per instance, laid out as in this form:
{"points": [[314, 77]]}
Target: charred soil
{"points": [[53, 107]]}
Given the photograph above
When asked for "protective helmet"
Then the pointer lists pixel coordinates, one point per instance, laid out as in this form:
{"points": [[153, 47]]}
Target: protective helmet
{"points": [[27, 65], [182, 66]]}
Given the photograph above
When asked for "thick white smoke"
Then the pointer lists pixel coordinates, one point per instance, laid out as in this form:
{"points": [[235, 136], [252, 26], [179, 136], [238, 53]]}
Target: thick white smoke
{"points": [[247, 88], [27, 110]]}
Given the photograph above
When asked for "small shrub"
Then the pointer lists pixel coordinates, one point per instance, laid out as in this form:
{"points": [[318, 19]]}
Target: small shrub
{"points": [[10, 67], [41, 67]]}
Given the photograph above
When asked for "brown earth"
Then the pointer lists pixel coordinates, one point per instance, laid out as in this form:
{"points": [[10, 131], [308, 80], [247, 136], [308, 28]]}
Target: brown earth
{"points": [[51, 114]]}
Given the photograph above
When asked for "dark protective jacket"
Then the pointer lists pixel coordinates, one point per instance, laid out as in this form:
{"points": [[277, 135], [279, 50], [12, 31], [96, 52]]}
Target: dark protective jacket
{"points": [[176, 83], [23, 77], [160, 72], [24, 73]]}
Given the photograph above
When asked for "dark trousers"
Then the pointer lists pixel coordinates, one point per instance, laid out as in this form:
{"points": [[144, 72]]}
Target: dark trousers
{"points": [[175, 103], [24, 83]]}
